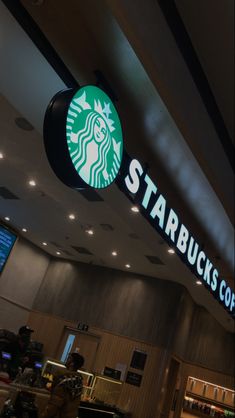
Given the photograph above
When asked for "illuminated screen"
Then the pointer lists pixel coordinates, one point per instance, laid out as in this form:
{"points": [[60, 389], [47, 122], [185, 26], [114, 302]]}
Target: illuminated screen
{"points": [[6, 355], [7, 240]]}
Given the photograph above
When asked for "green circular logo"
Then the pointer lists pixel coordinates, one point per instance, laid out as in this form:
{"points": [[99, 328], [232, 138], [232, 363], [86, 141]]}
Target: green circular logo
{"points": [[94, 137]]}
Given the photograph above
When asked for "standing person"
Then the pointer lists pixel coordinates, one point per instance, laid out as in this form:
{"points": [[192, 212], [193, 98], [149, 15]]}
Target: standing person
{"points": [[66, 391], [18, 349]]}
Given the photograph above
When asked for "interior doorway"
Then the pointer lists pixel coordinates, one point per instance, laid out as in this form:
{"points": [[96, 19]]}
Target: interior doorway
{"points": [[172, 389], [83, 342]]}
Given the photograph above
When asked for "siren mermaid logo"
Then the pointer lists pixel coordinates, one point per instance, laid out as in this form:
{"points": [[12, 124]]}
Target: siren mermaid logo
{"points": [[94, 137]]}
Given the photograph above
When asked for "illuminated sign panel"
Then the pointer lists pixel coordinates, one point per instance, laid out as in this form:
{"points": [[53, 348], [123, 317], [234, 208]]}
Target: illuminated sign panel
{"points": [[84, 145], [136, 183], [94, 137], [7, 240]]}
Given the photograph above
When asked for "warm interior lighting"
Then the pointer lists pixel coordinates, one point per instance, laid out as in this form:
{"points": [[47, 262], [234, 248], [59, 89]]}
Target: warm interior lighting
{"points": [[90, 232], [7, 218], [128, 266], [198, 282], [44, 243], [72, 216], [114, 253], [32, 183], [1, 155], [135, 209], [58, 253], [171, 251], [24, 229]]}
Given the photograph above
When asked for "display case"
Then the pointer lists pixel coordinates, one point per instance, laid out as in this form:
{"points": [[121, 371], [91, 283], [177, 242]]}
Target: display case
{"points": [[106, 390], [204, 398], [54, 367]]}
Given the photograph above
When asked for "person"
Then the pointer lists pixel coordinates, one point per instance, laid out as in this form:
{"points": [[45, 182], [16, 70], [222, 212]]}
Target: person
{"points": [[66, 390], [19, 349]]}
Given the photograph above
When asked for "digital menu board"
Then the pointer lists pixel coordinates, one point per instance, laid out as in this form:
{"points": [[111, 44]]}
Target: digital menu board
{"points": [[7, 240]]}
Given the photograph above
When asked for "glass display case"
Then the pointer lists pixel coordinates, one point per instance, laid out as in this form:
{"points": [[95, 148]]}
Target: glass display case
{"points": [[106, 390], [54, 367], [97, 389]]}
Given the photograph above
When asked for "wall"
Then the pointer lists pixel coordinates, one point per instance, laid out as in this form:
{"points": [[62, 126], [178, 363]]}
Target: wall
{"points": [[152, 310], [113, 349], [127, 304], [20, 282], [128, 310], [209, 344]]}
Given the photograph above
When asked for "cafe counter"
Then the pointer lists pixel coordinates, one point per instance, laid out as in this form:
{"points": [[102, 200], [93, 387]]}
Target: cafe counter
{"points": [[86, 409]]}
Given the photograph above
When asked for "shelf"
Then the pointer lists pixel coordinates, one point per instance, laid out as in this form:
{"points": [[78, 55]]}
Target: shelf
{"points": [[210, 401]]}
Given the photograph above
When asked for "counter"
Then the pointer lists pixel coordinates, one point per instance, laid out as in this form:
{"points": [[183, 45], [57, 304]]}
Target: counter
{"points": [[86, 409]]}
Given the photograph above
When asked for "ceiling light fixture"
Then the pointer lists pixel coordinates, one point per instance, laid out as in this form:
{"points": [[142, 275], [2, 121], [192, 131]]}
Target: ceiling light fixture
{"points": [[114, 253], [72, 216], [1, 155], [90, 231], [135, 209], [7, 218], [198, 282], [58, 253], [32, 183], [171, 251], [24, 229], [128, 266], [44, 243]]}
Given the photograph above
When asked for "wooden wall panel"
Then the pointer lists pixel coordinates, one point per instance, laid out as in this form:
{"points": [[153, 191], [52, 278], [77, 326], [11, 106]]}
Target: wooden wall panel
{"points": [[145, 401], [113, 349], [48, 330]]}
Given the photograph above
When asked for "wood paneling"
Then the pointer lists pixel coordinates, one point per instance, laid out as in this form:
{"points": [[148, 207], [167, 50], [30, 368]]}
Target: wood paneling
{"points": [[113, 349], [48, 330]]}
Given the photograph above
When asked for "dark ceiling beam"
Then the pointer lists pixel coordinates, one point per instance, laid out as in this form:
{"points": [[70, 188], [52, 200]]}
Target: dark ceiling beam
{"points": [[39, 39], [188, 52]]}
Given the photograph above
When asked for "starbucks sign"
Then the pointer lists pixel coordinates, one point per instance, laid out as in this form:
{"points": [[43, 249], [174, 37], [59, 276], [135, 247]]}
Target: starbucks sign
{"points": [[94, 137], [83, 138], [84, 145]]}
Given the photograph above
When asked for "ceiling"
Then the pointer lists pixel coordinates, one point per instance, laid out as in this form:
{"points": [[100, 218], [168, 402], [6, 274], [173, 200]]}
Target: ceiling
{"points": [[165, 123]]}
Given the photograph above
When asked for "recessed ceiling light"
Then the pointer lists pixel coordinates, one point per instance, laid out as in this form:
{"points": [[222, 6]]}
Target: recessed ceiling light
{"points": [[44, 243], [198, 282], [58, 253], [90, 231], [171, 251], [32, 183], [7, 218], [114, 253], [24, 229], [72, 216], [1, 155], [135, 209], [128, 266]]}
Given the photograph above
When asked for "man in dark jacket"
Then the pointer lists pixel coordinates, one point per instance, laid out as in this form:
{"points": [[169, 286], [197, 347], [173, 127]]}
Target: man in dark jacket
{"points": [[18, 348], [66, 391]]}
